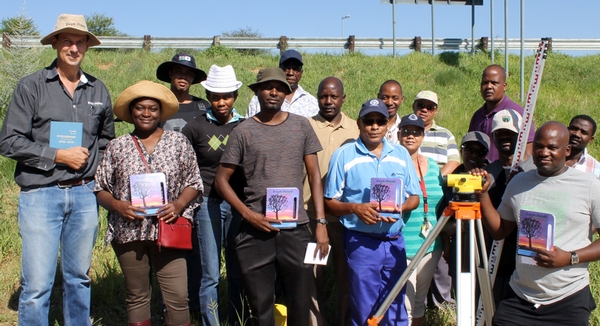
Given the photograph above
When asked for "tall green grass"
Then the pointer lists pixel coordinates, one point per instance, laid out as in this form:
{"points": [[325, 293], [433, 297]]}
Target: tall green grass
{"points": [[569, 86]]}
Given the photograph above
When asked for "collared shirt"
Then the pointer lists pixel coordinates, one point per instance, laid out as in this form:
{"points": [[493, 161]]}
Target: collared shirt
{"points": [[392, 133], [349, 179], [303, 103], [440, 145], [588, 164], [39, 99], [482, 121], [331, 138]]}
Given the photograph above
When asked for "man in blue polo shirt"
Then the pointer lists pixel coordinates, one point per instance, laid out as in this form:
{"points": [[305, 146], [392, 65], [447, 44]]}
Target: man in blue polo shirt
{"points": [[374, 243]]}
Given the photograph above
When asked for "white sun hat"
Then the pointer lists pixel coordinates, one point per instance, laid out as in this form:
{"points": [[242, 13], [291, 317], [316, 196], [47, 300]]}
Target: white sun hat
{"points": [[221, 80]]}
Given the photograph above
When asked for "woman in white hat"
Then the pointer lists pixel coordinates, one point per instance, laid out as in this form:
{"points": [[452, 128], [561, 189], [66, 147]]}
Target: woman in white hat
{"points": [[208, 134], [148, 149]]}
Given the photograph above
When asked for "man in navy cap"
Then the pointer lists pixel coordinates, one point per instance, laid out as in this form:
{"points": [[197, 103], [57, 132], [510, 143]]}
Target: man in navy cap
{"points": [[298, 101], [181, 73], [374, 243]]}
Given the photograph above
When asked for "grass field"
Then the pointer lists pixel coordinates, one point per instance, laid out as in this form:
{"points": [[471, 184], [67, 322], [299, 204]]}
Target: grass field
{"points": [[569, 86]]}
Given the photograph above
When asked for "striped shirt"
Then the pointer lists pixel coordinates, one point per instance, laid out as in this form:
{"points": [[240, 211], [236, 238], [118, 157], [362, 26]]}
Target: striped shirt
{"points": [[413, 220], [440, 145], [303, 103], [587, 164]]}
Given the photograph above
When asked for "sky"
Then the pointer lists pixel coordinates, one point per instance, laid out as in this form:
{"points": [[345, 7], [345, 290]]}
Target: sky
{"points": [[321, 18]]}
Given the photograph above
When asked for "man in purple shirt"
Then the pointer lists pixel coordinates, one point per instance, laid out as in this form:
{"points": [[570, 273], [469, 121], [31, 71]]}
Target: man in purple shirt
{"points": [[493, 88]]}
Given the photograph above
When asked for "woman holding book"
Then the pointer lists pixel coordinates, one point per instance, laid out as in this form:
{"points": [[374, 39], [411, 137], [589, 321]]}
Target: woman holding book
{"points": [[208, 134], [420, 221], [132, 230]]}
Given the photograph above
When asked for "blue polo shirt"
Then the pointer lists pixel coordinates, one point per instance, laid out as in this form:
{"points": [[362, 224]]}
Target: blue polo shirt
{"points": [[349, 180]]}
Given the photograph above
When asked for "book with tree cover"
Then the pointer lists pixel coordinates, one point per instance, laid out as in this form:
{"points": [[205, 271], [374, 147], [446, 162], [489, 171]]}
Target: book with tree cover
{"points": [[282, 205], [148, 191], [386, 195], [536, 230]]}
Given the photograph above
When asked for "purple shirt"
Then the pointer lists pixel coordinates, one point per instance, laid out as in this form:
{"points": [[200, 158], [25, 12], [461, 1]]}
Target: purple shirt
{"points": [[481, 121]]}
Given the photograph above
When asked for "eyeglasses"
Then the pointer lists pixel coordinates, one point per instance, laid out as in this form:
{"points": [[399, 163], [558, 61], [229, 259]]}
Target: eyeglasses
{"points": [[370, 122], [469, 150], [408, 132], [420, 105]]}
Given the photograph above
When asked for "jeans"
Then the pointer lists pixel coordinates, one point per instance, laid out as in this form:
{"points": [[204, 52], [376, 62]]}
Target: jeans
{"points": [[213, 221], [51, 218]]}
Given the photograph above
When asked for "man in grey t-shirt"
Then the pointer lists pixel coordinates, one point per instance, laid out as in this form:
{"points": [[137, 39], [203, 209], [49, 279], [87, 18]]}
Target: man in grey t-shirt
{"points": [[554, 291], [272, 148]]}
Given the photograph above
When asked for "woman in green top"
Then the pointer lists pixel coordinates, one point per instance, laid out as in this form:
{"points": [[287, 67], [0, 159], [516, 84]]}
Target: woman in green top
{"points": [[420, 221]]}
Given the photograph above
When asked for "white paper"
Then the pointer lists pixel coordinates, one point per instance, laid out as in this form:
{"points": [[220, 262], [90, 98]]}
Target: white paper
{"points": [[310, 252]]}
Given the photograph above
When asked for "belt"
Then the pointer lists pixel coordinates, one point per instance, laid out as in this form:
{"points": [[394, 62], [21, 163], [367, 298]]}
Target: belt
{"points": [[73, 182]]}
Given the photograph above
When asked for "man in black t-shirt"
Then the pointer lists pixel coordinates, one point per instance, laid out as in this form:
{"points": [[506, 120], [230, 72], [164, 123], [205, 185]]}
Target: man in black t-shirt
{"points": [[181, 73]]}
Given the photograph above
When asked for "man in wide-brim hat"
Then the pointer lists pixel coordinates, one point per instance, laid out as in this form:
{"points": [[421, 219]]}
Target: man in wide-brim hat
{"points": [[57, 126], [181, 73]]}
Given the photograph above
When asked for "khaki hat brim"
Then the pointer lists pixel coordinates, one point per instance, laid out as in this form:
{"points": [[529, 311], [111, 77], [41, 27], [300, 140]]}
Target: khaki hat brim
{"points": [[145, 88], [93, 40]]}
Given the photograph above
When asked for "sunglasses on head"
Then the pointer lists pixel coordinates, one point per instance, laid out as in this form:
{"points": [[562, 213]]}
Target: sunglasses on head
{"points": [[372, 121], [421, 105], [408, 132], [470, 150]]}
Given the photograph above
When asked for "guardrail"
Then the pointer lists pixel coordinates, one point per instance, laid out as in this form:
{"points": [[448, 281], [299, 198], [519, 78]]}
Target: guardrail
{"points": [[334, 43]]}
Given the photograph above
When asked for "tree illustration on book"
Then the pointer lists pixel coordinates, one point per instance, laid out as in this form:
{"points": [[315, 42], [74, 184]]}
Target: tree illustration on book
{"points": [[380, 192], [277, 203], [531, 228], [142, 190]]}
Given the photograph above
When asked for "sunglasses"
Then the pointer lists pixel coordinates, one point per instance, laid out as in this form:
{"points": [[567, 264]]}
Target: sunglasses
{"points": [[408, 132], [372, 121], [469, 150], [423, 106]]}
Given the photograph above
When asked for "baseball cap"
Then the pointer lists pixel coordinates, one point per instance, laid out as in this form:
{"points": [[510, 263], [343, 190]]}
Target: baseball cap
{"points": [[290, 54], [477, 136], [412, 120], [427, 95], [507, 119], [373, 105]]}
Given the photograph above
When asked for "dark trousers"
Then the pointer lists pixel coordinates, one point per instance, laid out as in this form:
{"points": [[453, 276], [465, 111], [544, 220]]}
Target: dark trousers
{"points": [[265, 256], [573, 310]]}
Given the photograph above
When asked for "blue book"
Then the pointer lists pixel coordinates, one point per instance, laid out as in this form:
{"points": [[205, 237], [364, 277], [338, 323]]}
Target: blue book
{"points": [[65, 135], [282, 206], [148, 191]]}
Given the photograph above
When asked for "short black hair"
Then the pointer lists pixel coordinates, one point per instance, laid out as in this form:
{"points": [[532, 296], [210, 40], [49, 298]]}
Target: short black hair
{"points": [[391, 81], [586, 118]]}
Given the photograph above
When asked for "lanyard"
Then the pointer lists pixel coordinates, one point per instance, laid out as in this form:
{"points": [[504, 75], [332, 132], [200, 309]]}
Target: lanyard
{"points": [[423, 189], [135, 141]]}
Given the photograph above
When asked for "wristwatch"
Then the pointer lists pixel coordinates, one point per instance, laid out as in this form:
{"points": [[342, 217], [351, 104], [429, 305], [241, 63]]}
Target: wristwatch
{"points": [[322, 221], [574, 258]]}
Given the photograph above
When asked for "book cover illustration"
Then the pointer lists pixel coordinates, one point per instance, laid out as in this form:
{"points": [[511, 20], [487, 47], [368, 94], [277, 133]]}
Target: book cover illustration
{"points": [[65, 135], [386, 195], [536, 230], [282, 206], [148, 191]]}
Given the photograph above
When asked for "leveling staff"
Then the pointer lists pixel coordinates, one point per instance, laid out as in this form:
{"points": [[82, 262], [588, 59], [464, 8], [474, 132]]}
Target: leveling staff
{"points": [[555, 291]]}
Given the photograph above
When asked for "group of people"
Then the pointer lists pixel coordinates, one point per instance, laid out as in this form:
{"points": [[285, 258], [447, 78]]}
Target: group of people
{"points": [[219, 164]]}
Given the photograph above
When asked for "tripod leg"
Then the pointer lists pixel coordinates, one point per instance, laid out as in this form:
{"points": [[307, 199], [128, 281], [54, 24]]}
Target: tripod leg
{"points": [[385, 305], [485, 283]]}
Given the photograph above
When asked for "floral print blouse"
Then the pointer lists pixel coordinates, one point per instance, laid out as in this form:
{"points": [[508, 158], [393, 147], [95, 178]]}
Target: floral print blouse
{"points": [[173, 155]]}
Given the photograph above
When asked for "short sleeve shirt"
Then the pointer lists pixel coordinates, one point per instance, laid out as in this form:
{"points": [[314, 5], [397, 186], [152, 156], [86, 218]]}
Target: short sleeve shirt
{"points": [[302, 103]]}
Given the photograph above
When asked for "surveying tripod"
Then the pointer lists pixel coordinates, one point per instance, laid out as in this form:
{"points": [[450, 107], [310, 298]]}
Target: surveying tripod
{"points": [[465, 207]]}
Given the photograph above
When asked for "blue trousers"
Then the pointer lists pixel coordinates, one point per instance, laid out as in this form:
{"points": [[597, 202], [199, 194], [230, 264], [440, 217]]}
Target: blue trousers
{"points": [[55, 220], [375, 264]]}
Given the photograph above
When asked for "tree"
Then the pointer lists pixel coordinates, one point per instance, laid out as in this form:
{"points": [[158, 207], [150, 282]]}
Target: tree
{"points": [[277, 203], [531, 228], [102, 25], [19, 25], [380, 192], [246, 32], [142, 189]]}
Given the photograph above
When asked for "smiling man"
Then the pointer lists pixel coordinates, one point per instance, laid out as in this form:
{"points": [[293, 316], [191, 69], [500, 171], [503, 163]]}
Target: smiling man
{"points": [[554, 291], [390, 93], [298, 101], [581, 130], [57, 208], [374, 244], [181, 73], [493, 88]]}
